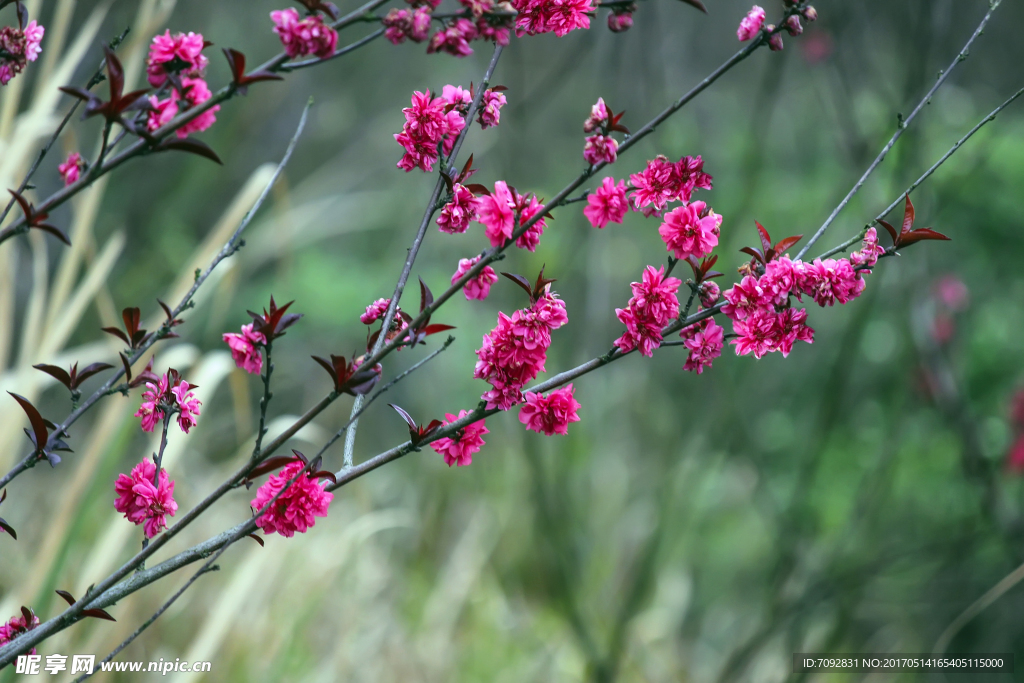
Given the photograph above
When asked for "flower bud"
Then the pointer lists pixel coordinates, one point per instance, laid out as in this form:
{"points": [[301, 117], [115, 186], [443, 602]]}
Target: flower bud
{"points": [[709, 294], [775, 42], [793, 25], [810, 14], [618, 23]]}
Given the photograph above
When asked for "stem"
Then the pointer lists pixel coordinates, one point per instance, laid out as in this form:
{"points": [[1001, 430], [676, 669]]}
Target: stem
{"points": [[158, 459], [962, 55], [265, 400]]}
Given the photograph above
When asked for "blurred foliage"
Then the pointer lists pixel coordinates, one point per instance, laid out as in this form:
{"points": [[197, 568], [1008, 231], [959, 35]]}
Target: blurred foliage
{"points": [[690, 527]]}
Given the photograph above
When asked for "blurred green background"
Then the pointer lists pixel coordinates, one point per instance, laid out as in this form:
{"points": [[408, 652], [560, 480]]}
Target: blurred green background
{"points": [[851, 498]]}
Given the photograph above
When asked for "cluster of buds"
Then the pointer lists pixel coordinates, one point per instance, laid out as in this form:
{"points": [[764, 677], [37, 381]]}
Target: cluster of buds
{"points": [[753, 23]]}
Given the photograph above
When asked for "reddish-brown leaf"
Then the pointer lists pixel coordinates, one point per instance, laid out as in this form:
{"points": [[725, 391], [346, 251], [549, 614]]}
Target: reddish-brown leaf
{"points": [[38, 424]]}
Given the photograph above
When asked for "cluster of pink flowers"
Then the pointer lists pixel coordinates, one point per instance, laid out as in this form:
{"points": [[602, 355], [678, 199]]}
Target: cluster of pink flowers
{"points": [[17, 47], [704, 341], [503, 210], [456, 33], [480, 286], [297, 508], [459, 448], [71, 169], [691, 230], [18, 625], [607, 204], [752, 24], [552, 16], [663, 181], [309, 36], [245, 348], [550, 414], [168, 395], [179, 59], [759, 307], [514, 352], [429, 121], [145, 498], [652, 306]]}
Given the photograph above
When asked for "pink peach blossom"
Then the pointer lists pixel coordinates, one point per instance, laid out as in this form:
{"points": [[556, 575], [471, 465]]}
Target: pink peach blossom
{"points": [[550, 414], [607, 204], [145, 498], [459, 448], [297, 508], [480, 286], [245, 350]]}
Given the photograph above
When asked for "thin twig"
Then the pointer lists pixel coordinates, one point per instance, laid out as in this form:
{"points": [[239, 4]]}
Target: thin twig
{"points": [[903, 123]]}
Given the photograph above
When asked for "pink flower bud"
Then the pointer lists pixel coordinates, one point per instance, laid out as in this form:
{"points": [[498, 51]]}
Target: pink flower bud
{"points": [[793, 25]]}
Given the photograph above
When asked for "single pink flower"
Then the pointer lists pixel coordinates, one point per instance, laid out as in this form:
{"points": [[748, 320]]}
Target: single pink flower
{"points": [[755, 333], [33, 37], [18, 625], [552, 16], [480, 286], [457, 213], [460, 447], [600, 149], [144, 502], [607, 204], [793, 26], [245, 349], [530, 208], [664, 181], [490, 109], [550, 414], [297, 508], [175, 54], [427, 122], [458, 97], [691, 230], [497, 213], [620, 21], [704, 341], [71, 169], [309, 36], [188, 405], [869, 252], [151, 411], [779, 279], [743, 298], [162, 112], [830, 281], [197, 92], [751, 24], [599, 117], [791, 327]]}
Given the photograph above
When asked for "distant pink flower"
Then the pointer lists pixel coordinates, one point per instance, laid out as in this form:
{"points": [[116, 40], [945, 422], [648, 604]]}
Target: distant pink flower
{"points": [[175, 54], [691, 230], [751, 24], [490, 109], [551, 16], [496, 31], [869, 252], [550, 414], [245, 350], [454, 38], [297, 508], [599, 117], [607, 204], [600, 149], [652, 306], [33, 37], [704, 341], [1014, 464], [460, 447], [188, 405], [309, 36], [709, 293], [952, 292], [375, 311], [620, 21], [830, 281], [16, 626], [71, 169], [480, 286], [144, 502], [401, 24], [457, 213]]}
